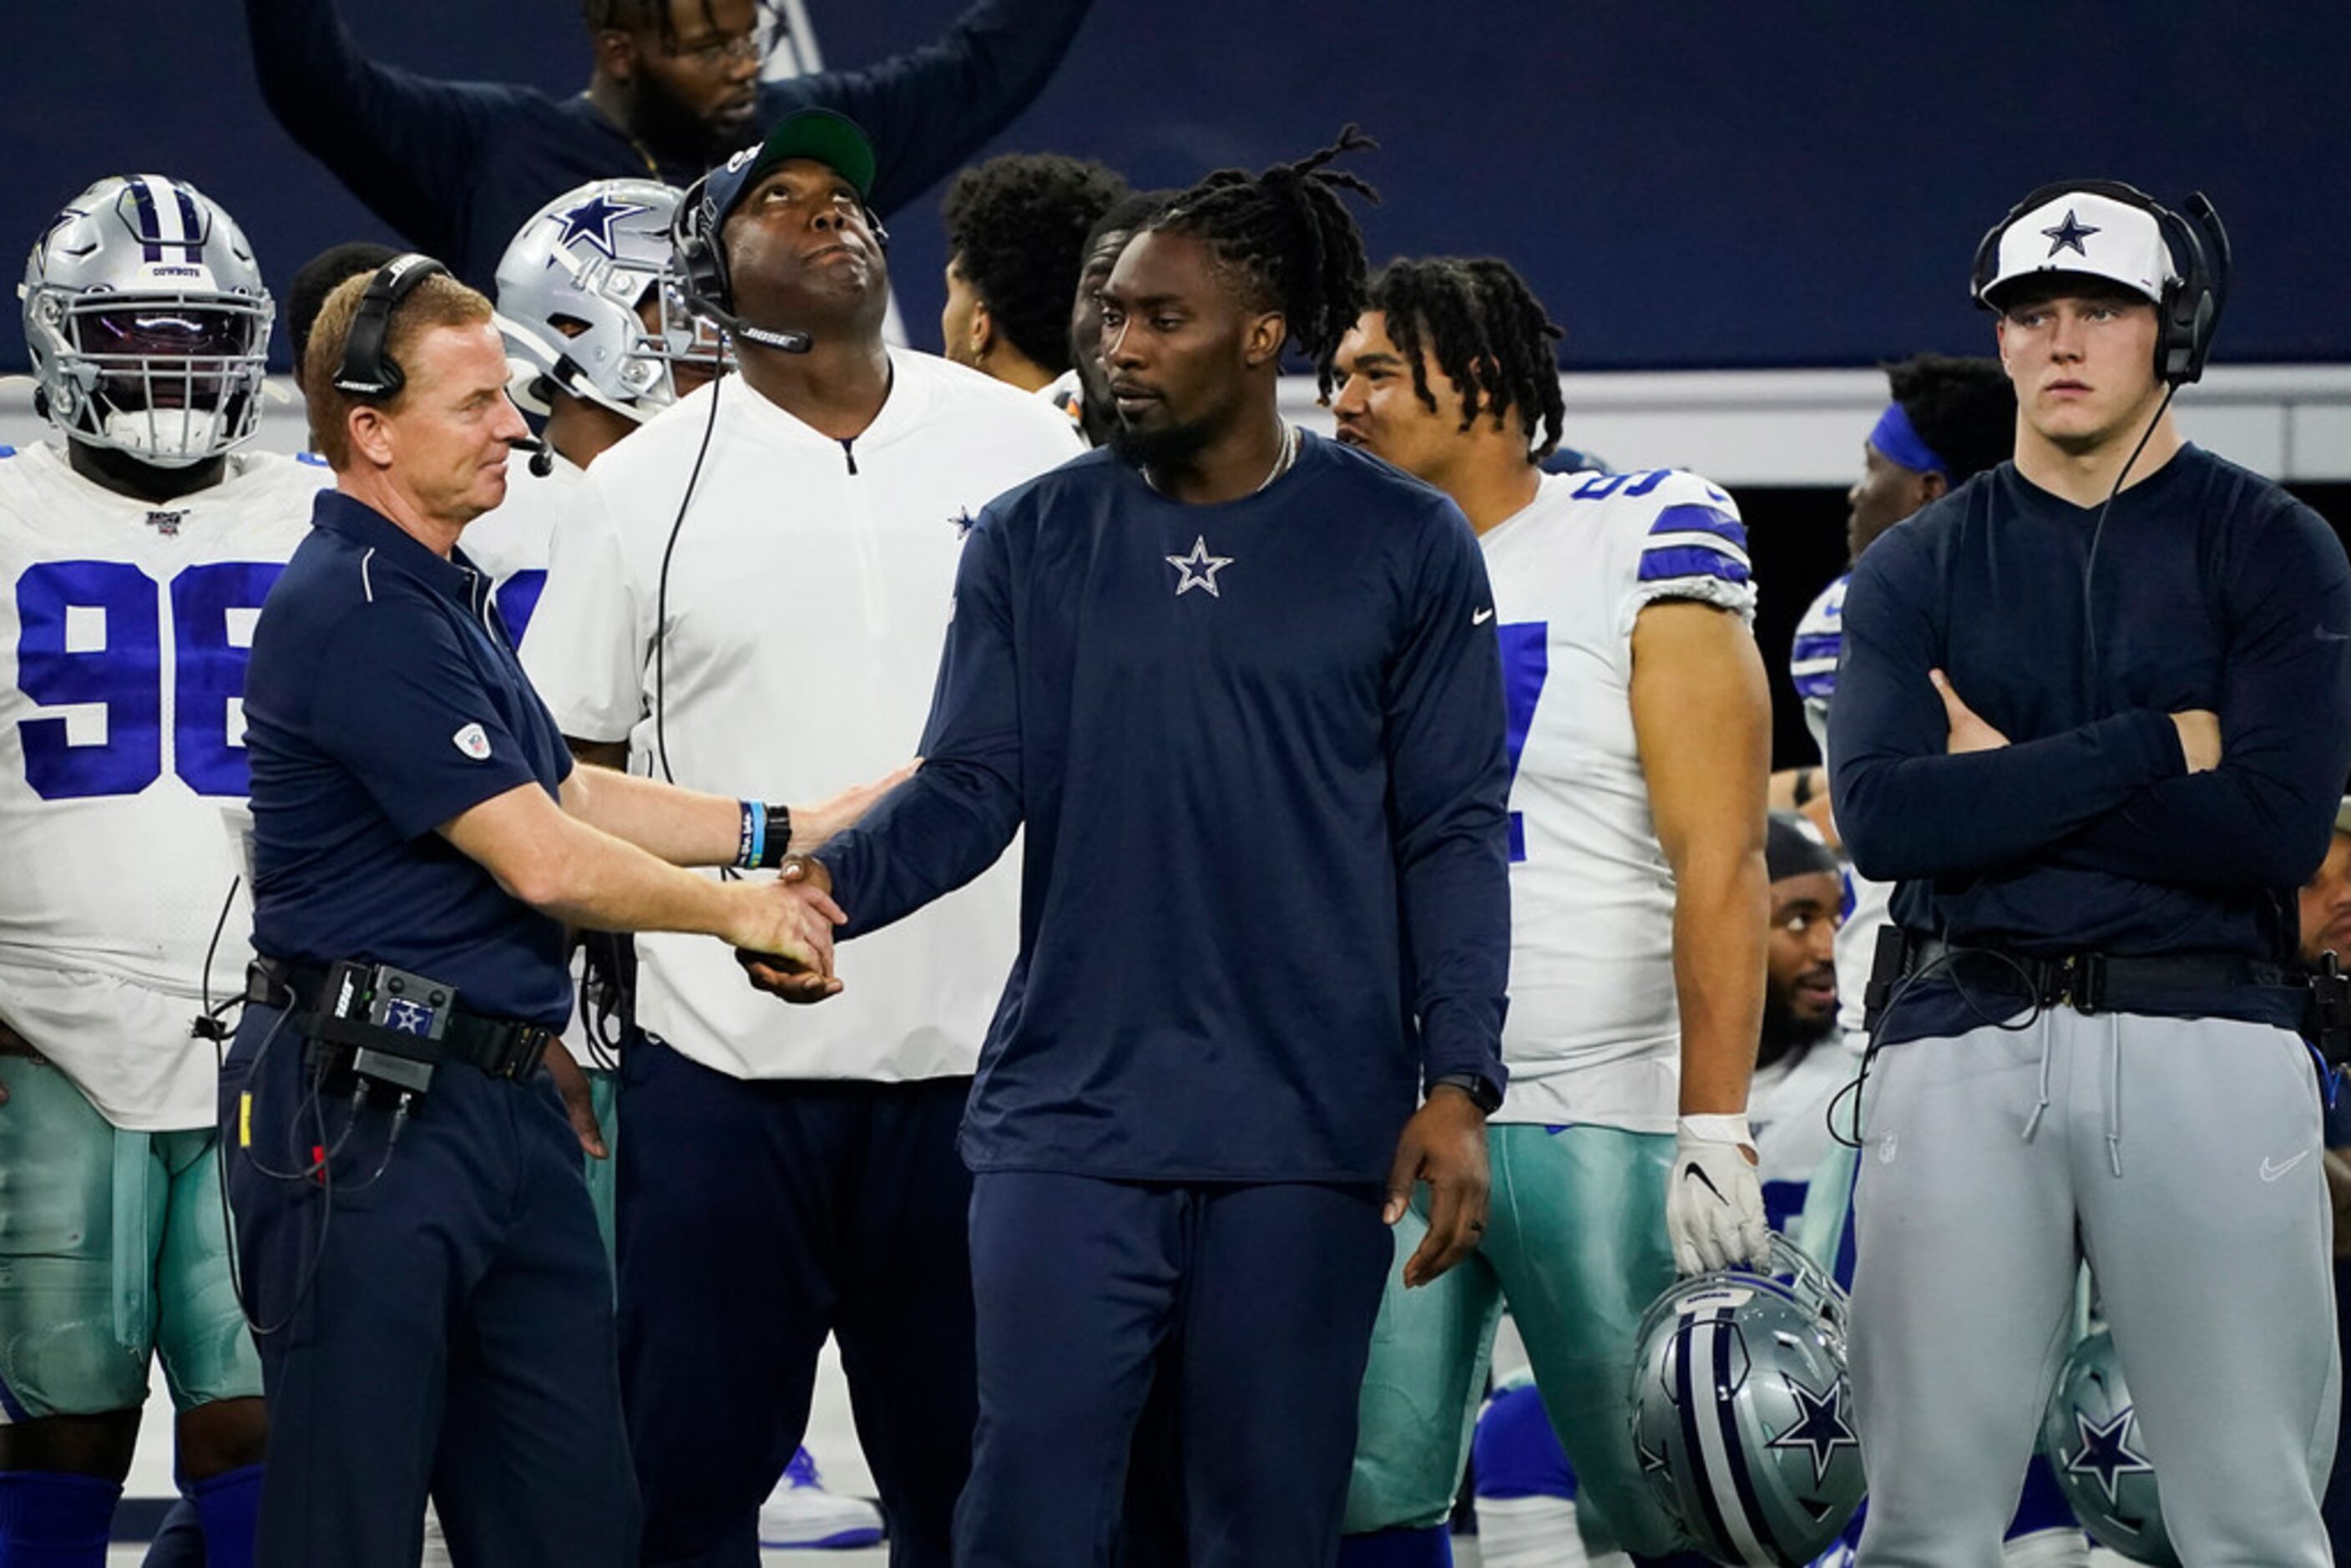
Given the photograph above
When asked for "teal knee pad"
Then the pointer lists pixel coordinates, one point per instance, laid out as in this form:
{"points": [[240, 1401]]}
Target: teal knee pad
{"points": [[1422, 1384], [604, 1175], [200, 1333], [1580, 1242], [74, 1309]]}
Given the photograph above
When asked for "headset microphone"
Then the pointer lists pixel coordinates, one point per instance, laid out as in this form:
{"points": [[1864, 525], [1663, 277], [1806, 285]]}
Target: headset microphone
{"points": [[784, 342], [542, 456]]}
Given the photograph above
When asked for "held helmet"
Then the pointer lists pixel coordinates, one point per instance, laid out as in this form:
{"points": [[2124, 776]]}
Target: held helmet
{"points": [[2090, 1433], [1742, 1412], [148, 323], [574, 291]]}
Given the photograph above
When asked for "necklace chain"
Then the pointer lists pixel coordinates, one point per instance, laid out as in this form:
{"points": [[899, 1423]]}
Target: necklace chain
{"points": [[1286, 454]]}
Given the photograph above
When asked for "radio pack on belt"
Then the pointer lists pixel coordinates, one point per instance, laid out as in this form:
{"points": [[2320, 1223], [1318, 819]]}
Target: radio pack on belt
{"points": [[2326, 1020], [2095, 983], [392, 1020], [399, 1025]]}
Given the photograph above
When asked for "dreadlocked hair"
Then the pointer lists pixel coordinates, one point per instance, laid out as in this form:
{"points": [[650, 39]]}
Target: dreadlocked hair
{"points": [[1489, 334], [1288, 231]]}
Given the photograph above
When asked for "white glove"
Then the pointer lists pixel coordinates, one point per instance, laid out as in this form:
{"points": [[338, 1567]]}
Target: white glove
{"points": [[1714, 1210]]}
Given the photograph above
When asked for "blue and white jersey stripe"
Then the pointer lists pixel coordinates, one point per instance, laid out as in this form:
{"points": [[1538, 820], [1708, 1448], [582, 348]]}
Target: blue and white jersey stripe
{"points": [[1820, 640], [1696, 540]]}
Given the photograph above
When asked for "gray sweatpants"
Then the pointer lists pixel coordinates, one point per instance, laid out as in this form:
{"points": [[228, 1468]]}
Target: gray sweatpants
{"points": [[2182, 1156]]}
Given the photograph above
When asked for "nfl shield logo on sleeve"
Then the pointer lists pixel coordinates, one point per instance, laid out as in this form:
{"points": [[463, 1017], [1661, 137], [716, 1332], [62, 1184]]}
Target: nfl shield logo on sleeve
{"points": [[473, 741]]}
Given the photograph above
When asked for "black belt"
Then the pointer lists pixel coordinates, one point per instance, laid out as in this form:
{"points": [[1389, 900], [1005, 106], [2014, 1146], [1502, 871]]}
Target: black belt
{"points": [[501, 1047], [2096, 982]]}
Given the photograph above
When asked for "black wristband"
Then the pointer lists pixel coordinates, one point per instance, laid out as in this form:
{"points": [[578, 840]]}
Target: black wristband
{"points": [[1803, 787], [1481, 1090], [779, 842]]}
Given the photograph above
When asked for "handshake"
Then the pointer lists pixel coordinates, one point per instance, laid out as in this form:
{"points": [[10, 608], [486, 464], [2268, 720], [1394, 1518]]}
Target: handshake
{"points": [[782, 930], [784, 940]]}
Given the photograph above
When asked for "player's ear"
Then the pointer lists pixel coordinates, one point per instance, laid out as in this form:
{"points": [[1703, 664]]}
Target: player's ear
{"points": [[1262, 338], [369, 434], [616, 53], [1932, 486], [980, 336]]}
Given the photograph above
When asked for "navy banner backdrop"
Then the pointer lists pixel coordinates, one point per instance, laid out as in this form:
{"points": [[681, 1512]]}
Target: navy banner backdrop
{"points": [[1688, 184]]}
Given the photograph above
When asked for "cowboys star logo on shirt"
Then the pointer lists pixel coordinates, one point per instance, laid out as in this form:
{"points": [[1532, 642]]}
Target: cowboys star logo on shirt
{"points": [[1198, 570], [403, 1017], [474, 741]]}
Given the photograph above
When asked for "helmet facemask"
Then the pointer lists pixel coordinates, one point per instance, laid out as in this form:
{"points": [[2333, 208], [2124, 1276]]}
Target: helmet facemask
{"points": [[148, 322], [172, 379]]}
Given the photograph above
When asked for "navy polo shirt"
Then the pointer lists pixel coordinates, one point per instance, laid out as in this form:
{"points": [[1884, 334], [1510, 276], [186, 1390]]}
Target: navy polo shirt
{"points": [[382, 699]]}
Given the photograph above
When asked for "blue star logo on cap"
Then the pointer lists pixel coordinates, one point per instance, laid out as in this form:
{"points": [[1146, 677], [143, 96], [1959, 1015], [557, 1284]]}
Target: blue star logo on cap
{"points": [[2069, 236], [592, 221], [2106, 1453]]}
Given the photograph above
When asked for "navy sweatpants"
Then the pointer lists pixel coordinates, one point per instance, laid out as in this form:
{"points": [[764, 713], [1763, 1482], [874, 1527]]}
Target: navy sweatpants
{"points": [[447, 1321], [753, 1218], [1256, 1300]]}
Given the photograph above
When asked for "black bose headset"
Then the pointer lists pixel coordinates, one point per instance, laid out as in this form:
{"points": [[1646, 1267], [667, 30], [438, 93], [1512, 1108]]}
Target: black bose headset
{"points": [[2190, 310], [366, 370], [700, 255]]}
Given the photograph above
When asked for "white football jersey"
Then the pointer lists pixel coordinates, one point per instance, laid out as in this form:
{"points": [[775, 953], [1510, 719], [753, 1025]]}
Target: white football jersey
{"points": [[1788, 1110], [513, 545], [1593, 1031], [1813, 666], [123, 633], [809, 585]]}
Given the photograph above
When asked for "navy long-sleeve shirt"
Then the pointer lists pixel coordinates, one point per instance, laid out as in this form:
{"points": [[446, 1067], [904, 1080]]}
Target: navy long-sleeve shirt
{"points": [[2213, 588], [1258, 750], [457, 166]]}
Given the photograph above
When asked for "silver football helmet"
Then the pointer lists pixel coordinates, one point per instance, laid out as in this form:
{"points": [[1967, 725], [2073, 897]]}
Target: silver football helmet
{"points": [[2091, 1436], [148, 322], [587, 300], [1742, 1414]]}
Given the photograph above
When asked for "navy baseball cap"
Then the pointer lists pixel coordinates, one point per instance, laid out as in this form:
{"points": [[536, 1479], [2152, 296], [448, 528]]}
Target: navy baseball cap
{"points": [[833, 140]]}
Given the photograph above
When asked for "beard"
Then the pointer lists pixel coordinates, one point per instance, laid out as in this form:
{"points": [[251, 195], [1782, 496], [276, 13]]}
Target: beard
{"points": [[1786, 1033], [667, 124], [1168, 447], [1101, 415]]}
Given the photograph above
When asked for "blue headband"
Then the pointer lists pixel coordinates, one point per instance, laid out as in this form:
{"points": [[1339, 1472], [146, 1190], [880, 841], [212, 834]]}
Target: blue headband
{"points": [[1898, 440]]}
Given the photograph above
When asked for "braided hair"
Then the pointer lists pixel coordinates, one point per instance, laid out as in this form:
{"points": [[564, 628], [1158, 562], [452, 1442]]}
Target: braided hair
{"points": [[1287, 231], [1489, 333]]}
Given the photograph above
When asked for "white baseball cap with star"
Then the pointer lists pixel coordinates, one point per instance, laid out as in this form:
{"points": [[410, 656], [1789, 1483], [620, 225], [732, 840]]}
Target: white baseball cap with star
{"points": [[2083, 232]]}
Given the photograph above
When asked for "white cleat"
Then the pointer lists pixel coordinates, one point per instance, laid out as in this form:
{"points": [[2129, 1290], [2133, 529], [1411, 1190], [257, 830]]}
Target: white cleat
{"points": [[800, 1512]]}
